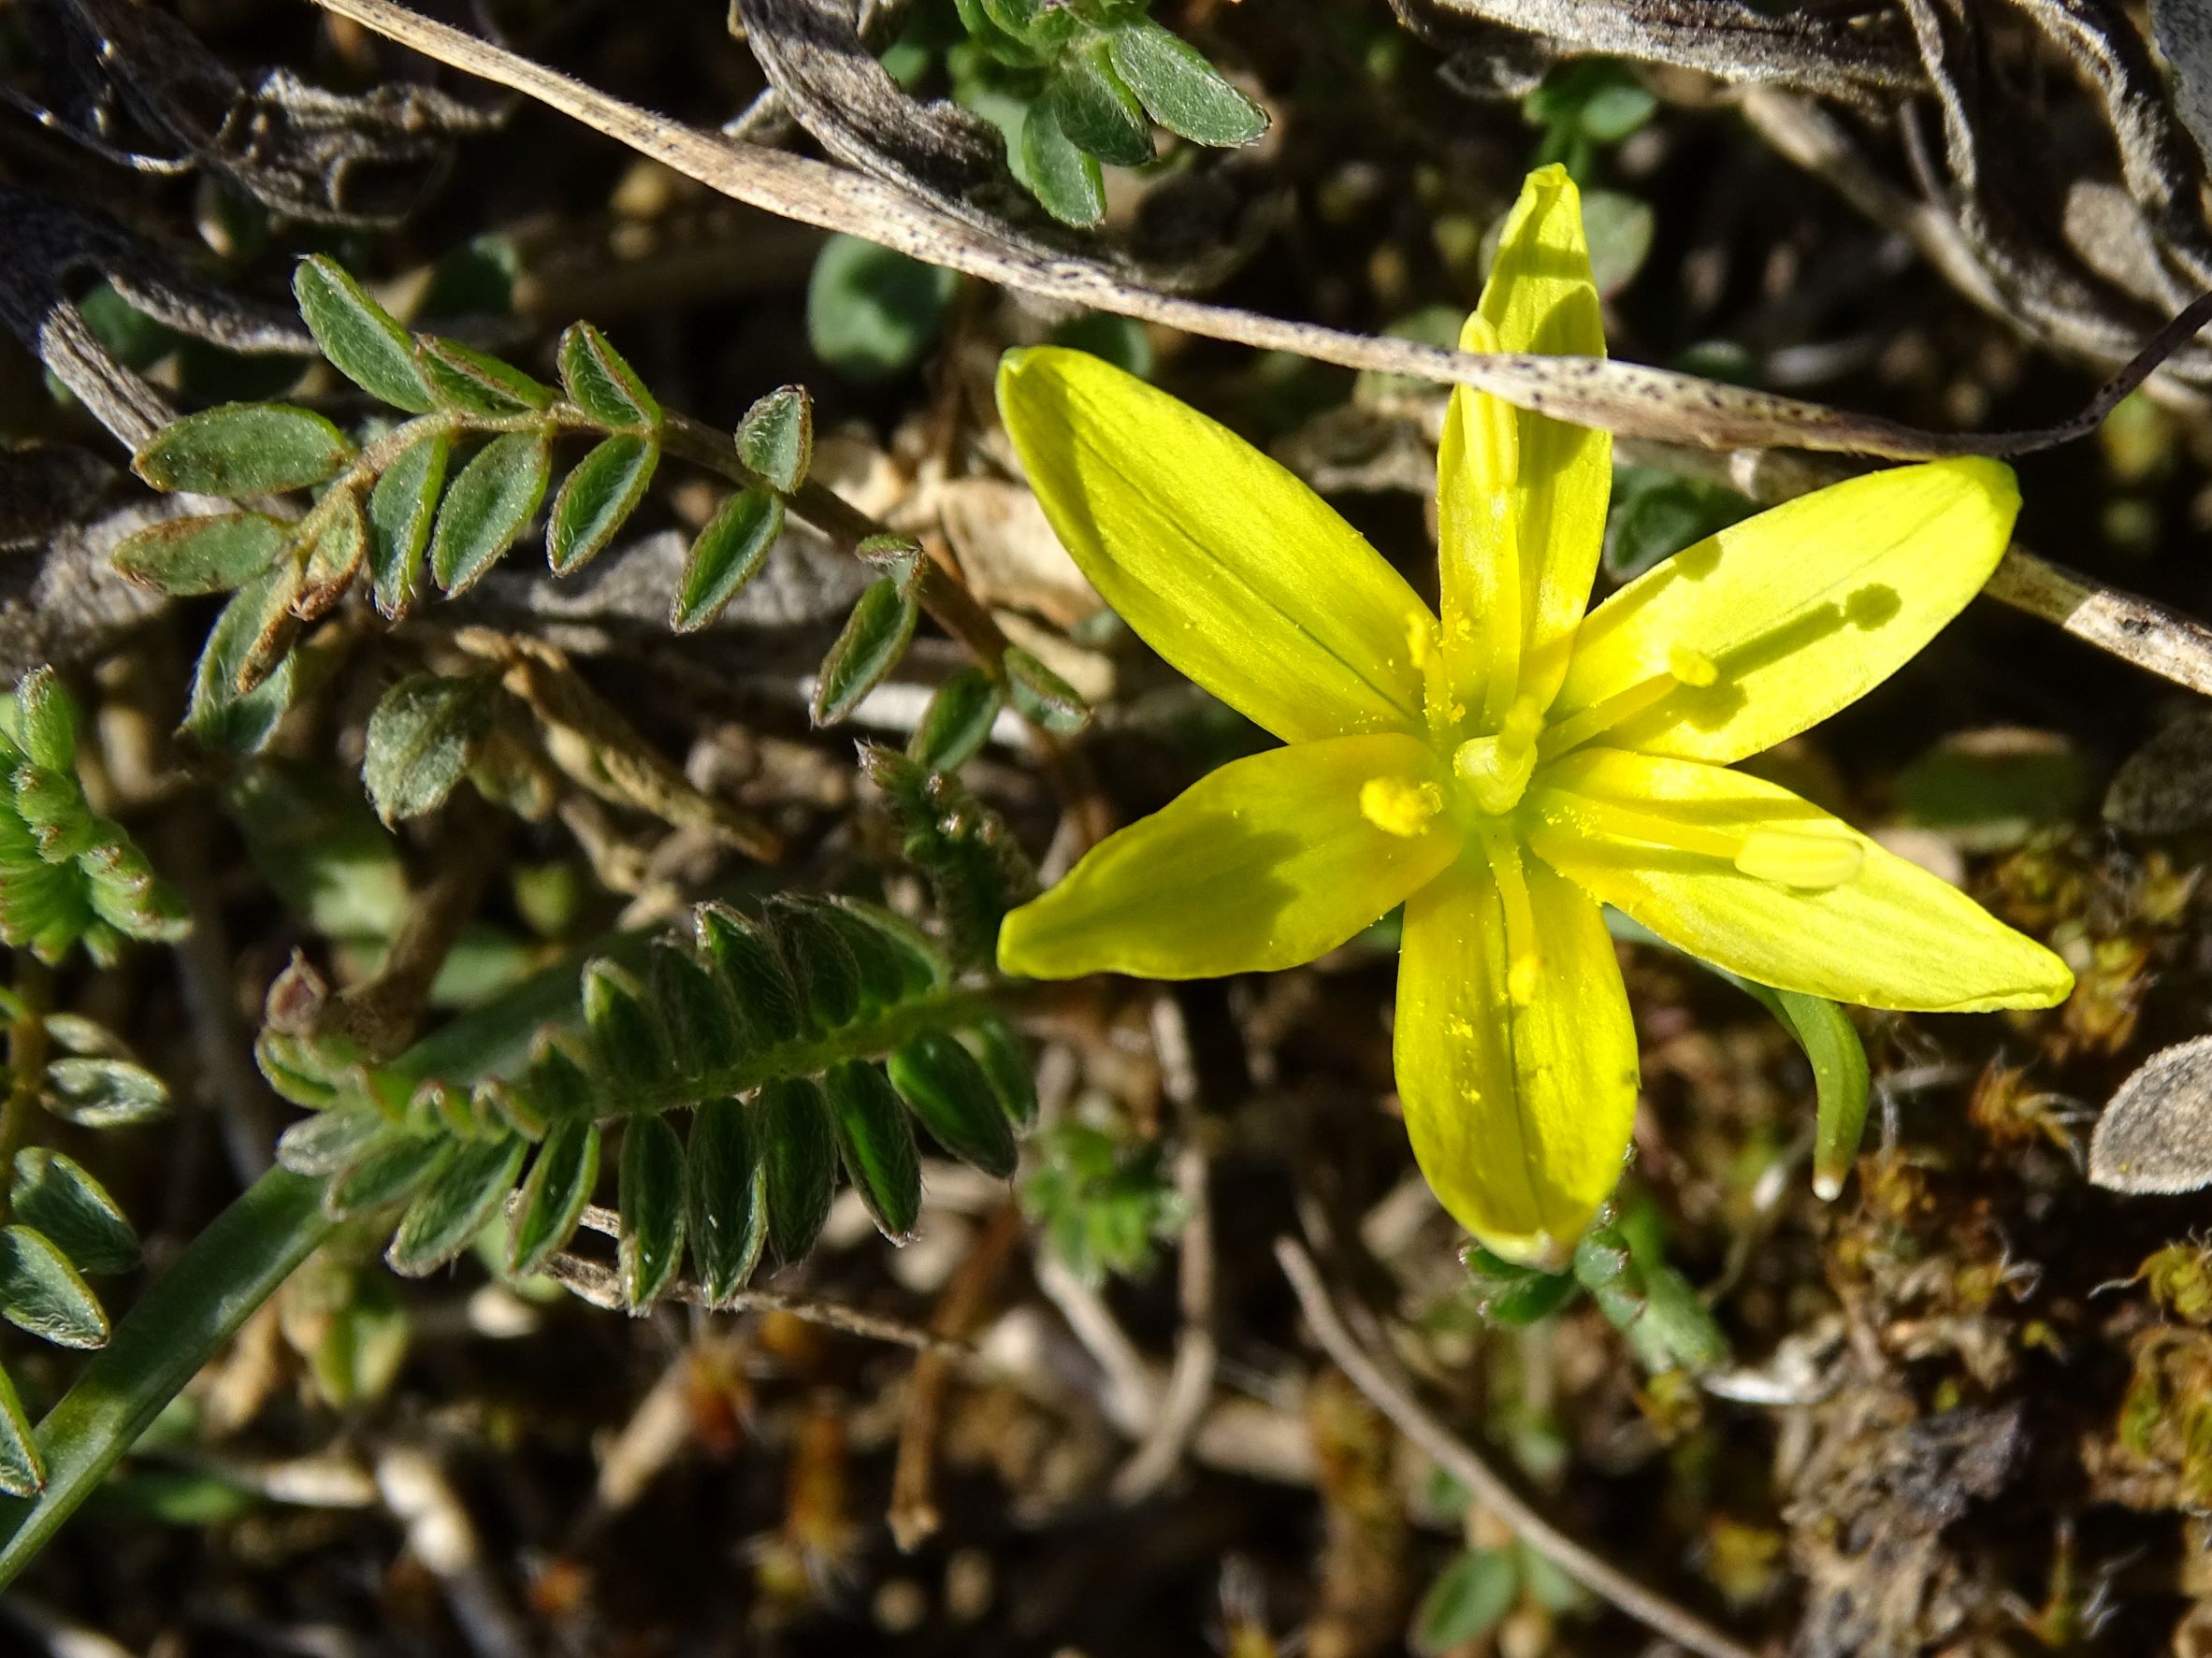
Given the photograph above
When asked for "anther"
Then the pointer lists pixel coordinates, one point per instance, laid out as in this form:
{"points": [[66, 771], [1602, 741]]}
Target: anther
{"points": [[1691, 668], [1520, 980], [1789, 858], [1398, 807]]}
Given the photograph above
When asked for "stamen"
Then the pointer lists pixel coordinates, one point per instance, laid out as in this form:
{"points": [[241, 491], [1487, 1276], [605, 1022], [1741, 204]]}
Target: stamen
{"points": [[1398, 807], [1610, 821], [1791, 858], [1685, 666], [1809, 861], [1524, 962]]}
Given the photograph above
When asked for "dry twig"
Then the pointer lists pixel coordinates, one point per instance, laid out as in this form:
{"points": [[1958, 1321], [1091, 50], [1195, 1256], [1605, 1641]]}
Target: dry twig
{"points": [[1490, 1488]]}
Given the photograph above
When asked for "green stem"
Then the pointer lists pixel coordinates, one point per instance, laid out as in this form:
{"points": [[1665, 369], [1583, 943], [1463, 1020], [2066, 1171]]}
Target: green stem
{"points": [[178, 1325], [869, 1038]]}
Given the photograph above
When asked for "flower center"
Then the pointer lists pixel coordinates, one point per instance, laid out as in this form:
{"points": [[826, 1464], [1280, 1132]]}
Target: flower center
{"points": [[1494, 769]]}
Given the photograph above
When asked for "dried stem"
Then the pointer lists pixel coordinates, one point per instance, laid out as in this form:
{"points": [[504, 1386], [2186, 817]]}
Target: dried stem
{"points": [[1197, 1353], [1458, 1458], [913, 1516], [381, 1014], [590, 1281]]}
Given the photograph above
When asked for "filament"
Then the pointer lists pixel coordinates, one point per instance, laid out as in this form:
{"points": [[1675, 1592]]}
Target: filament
{"points": [[1685, 666]]}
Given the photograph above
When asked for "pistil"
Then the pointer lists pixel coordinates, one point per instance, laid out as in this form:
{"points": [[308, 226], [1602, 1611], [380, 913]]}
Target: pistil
{"points": [[1496, 768]]}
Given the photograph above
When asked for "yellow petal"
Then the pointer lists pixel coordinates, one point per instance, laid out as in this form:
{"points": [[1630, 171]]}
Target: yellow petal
{"points": [[1266, 863], [1520, 496], [1227, 564], [1519, 1110], [1886, 933], [1801, 610]]}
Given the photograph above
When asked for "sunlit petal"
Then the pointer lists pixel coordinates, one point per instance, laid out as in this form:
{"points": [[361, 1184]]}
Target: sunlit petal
{"points": [[1521, 496], [1227, 564], [1519, 1106], [1798, 612], [1749, 876], [1265, 863]]}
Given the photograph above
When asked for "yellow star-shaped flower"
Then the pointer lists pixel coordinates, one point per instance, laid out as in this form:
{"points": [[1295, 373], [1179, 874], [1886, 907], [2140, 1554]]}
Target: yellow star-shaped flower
{"points": [[1506, 771]]}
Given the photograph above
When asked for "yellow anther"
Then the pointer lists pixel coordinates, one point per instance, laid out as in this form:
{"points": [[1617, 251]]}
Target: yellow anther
{"points": [[1792, 857], [1398, 807], [1692, 667], [1520, 980], [1421, 640]]}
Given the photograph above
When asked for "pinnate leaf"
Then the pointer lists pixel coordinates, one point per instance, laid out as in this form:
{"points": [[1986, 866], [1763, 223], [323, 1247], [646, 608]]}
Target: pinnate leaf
{"points": [[334, 557], [56, 1195], [1097, 112], [553, 1196], [596, 499], [424, 734], [466, 378], [957, 721], [728, 553], [1180, 90], [362, 340], [1064, 176], [800, 1154], [453, 1209], [775, 439], [651, 1194], [876, 1145], [727, 1196], [945, 1087], [1042, 696], [601, 383], [22, 1469], [41, 1292], [875, 637], [387, 1171], [95, 1091], [190, 556], [401, 508], [245, 448], [488, 506], [222, 716]]}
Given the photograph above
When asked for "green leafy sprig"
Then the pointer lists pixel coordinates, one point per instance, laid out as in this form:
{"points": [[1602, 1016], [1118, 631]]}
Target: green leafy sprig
{"points": [[68, 876], [1621, 1264], [1078, 83], [451, 489], [817, 1034]]}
